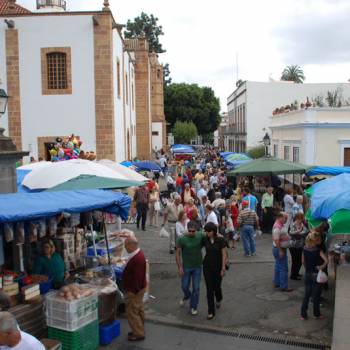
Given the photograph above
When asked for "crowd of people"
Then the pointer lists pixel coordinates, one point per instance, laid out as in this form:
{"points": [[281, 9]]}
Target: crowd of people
{"points": [[204, 210]]}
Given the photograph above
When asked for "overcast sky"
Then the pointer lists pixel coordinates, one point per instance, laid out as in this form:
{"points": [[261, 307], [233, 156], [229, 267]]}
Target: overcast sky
{"points": [[203, 38]]}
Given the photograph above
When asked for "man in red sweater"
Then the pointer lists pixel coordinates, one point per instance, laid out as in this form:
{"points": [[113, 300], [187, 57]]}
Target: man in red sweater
{"points": [[134, 282]]}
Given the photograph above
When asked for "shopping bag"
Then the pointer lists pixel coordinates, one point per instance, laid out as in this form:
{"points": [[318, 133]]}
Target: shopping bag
{"points": [[164, 233], [157, 206], [321, 277]]}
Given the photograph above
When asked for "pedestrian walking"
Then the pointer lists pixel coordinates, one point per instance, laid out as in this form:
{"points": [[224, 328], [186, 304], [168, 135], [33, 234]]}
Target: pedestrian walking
{"points": [[297, 232], [154, 207], [314, 260], [214, 264], [211, 215], [187, 194], [280, 243], [189, 263], [251, 199], [181, 224], [134, 283], [171, 213], [288, 202], [267, 207], [141, 199], [247, 222]]}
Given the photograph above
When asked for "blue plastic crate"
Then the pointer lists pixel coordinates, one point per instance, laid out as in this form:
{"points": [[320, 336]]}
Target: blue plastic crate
{"points": [[109, 332]]}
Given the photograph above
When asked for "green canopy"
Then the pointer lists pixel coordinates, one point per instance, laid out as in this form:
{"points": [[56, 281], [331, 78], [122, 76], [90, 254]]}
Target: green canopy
{"points": [[339, 222], [311, 220], [269, 166], [89, 182]]}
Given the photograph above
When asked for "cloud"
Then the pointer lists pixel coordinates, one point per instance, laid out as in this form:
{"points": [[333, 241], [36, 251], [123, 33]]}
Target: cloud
{"points": [[315, 39]]}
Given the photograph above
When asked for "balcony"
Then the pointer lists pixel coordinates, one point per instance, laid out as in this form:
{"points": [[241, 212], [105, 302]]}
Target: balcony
{"points": [[233, 131], [49, 3]]}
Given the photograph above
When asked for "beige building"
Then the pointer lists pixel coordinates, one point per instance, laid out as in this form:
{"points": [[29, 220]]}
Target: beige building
{"points": [[150, 119], [314, 136]]}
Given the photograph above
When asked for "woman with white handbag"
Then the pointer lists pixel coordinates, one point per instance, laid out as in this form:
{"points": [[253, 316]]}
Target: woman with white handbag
{"points": [[314, 261]]}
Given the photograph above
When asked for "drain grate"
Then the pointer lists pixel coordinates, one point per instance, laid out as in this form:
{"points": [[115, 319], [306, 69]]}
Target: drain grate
{"points": [[234, 334]]}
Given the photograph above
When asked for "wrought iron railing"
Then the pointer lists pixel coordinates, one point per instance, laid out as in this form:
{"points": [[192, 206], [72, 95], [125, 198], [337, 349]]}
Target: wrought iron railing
{"points": [[43, 3]]}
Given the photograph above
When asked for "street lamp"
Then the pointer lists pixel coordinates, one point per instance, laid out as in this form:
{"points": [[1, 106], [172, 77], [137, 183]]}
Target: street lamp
{"points": [[267, 142], [3, 101]]}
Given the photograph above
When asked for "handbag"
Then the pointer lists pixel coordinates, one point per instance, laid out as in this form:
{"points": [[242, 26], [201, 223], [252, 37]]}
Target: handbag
{"points": [[157, 206]]}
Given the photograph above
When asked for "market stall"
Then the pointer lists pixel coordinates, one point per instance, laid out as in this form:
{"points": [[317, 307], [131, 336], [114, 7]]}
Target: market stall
{"points": [[73, 220], [330, 202]]}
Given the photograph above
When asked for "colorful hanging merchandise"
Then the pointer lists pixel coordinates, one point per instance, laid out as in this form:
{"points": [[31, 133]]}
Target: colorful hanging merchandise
{"points": [[69, 148]]}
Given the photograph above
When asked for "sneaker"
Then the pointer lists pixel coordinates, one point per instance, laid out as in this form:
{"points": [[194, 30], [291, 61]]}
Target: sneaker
{"points": [[247, 255], [194, 312], [210, 317], [183, 302], [253, 254]]}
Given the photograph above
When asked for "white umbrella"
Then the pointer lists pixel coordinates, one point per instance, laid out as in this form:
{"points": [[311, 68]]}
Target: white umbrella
{"points": [[34, 166], [129, 173], [60, 172]]}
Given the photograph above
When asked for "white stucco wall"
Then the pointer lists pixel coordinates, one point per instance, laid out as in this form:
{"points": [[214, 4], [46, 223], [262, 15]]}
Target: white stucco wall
{"points": [[52, 115], [118, 100], [263, 97], [157, 140]]}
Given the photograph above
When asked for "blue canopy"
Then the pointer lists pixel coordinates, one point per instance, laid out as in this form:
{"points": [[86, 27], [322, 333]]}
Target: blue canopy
{"points": [[184, 149], [225, 154], [32, 206], [328, 170], [330, 195], [147, 166]]}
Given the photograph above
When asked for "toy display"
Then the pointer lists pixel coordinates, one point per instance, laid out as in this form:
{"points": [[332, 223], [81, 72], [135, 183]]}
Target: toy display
{"points": [[69, 148]]}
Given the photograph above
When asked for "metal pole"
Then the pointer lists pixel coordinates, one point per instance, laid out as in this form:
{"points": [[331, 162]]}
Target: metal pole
{"points": [[106, 239]]}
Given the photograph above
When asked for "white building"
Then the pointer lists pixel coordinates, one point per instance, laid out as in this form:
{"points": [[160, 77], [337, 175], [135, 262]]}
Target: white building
{"points": [[314, 136], [251, 104], [65, 73]]}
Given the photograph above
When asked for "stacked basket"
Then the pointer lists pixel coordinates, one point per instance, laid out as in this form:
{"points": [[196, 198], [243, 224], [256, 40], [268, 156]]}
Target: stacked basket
{"points": [[74, 323]]}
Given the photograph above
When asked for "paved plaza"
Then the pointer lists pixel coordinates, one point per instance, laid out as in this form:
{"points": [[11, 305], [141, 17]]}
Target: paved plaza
{"points": [[251, 306]]}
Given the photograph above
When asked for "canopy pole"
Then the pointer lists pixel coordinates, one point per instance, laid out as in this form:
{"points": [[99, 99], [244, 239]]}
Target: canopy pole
{"points": [[106, 239]]}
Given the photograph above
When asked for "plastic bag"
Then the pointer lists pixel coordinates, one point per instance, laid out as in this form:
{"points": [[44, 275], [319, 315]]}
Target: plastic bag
{"points": [[157, 206], [321, 277], [164, 233]]}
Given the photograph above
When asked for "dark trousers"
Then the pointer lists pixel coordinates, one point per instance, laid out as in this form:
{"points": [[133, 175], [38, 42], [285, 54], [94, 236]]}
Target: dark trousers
{"points": [[267, 220], [213, 283], [296, 254], [141, 214], [312, 289]]}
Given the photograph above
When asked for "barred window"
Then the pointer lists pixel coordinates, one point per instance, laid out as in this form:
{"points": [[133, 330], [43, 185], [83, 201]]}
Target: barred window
{"points": [[57, 70]]}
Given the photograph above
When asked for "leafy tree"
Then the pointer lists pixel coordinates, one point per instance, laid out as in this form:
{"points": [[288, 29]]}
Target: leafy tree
{"points": [[184, 132], [293, 73], [167, 77], [190, 102], [256, 152], [146, 25]]}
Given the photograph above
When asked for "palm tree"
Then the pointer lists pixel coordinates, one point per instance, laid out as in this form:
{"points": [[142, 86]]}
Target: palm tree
{"points": [[293, 73]]}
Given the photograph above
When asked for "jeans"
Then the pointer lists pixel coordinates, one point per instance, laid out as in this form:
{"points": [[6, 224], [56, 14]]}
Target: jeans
{"points": [[191, 274], [247, 234], [142, 209], [312, 289], [213, 283], [281, 269]]}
